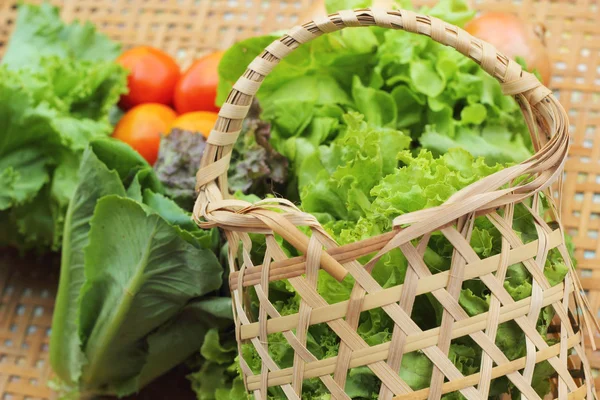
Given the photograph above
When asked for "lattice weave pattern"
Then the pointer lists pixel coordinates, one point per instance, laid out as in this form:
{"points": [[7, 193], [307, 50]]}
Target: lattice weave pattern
{"points": [[494, 198], [185, 28], [26, 303]]}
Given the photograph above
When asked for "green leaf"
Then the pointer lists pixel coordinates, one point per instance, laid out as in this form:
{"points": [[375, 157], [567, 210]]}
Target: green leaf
{"points": [[237, 391], [235, 60], [332, 290], [496, 148], [338, 5], [473, 114], [218, 376], [338, 179], [361, 383], [472, 303], [95, 181], [378, 107], [410, 106], [464, 358], [48, 115], [169, 210], [425, 78], [289, 117], [213, 350], [542, 376], [121, 158], [416, 370], [139, 274], [456, 12], [511, 340], [22, 175], [65, 177], [35, 222], [426, 181], [481, 242], [193, 327]]}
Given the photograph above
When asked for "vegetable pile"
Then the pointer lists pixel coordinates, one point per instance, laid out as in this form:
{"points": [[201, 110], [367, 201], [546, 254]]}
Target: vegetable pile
{"points": [[140, 283], [57, 86], [374, 124]]}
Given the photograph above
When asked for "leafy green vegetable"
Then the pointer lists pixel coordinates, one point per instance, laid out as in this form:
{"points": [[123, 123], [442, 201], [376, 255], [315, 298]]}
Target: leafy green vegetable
{"points": [[57, 86], [218, 377], [135, 273]]}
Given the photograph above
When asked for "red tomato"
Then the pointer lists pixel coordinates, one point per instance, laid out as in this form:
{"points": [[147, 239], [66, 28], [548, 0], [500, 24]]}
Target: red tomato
{"points": [[152, 78], [197, 88], [142, 126], [199, 121]]}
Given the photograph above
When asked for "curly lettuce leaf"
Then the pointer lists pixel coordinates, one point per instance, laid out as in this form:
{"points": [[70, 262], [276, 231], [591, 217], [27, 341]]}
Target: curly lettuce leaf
{"points": [[337, 179]]}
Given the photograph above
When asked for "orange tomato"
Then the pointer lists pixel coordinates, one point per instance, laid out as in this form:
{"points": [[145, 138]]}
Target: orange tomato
{"points": [[514, 38], [197, 88], [152, 77], [198, 121], [142, 126]]}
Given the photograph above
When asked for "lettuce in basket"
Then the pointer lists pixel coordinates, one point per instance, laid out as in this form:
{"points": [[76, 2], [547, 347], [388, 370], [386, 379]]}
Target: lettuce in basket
{"points": [[58, 84], [356, 189], [377, 123], [139, 280]]}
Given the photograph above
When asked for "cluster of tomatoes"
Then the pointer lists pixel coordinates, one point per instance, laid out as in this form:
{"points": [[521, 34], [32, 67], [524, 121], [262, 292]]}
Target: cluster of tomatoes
{"points": [[161, 98]]}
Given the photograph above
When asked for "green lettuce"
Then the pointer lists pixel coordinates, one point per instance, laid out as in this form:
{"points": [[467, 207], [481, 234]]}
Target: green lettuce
{"points": [[218, 376], [58, 84], [138, 278]]}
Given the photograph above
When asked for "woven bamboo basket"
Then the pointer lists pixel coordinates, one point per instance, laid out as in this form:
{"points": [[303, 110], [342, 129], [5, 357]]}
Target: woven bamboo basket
{"points": [[189, 28], [494, 197]]}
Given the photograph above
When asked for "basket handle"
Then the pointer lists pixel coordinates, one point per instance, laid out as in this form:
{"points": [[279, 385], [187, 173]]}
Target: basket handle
{"points": [[211, 179]]}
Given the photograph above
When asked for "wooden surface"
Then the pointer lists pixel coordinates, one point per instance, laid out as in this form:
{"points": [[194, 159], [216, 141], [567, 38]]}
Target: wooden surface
{"points": [[188, 28]]}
